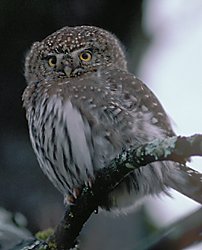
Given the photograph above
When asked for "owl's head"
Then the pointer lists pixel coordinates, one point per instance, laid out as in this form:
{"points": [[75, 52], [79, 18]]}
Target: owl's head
{"points": [[73, 51]]}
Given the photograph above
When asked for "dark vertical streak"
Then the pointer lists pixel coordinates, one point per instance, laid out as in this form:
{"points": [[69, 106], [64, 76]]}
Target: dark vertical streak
{"points": [[54, 143], [69, 144], [60, 178], [78, 172], [69, 171]]}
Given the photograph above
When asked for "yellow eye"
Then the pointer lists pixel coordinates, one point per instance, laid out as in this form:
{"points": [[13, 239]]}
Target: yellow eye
{"points": [[85, 56], [52, 61]]}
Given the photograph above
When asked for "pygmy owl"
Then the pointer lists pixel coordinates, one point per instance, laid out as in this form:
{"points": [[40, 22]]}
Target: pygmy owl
{"points": [[83, 107]]}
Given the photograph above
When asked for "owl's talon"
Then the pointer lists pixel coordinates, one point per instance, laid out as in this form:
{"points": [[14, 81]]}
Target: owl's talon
{"points": [[76, 192], [90, 183], [71, 199]]}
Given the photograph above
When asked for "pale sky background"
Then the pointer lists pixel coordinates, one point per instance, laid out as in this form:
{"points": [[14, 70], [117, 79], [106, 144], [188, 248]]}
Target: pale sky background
{"points": [[172, 67]]}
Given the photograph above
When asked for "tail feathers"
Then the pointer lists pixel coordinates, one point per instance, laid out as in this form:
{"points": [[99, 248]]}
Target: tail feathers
{"points": [[189, 183]]}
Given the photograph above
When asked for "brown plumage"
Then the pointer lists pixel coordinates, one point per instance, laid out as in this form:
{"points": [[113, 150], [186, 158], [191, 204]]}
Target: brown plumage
{"points": [[83, 107]]}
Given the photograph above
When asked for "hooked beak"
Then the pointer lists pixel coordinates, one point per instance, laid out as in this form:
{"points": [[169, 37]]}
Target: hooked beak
{"points": [[67, 70]]}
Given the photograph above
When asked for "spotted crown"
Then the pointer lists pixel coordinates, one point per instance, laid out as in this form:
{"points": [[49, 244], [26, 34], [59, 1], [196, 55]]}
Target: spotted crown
{"points": [[68, 39]]}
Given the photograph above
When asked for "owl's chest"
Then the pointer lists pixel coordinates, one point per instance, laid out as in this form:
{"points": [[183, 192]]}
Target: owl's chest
{"points": [[84, 127], [99, 99], [88, 116]]}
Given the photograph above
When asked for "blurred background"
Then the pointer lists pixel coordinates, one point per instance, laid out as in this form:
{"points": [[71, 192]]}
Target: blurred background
{"points": [[163, 45]]}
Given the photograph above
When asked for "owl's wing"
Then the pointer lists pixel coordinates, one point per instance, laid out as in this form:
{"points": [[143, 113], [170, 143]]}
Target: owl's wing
{"points": [[189, 183], [144, 101], [138, 97]]}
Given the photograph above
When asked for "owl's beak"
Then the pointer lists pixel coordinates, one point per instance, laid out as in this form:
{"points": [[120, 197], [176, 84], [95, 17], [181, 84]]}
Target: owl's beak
{"points": [[67, 70]]}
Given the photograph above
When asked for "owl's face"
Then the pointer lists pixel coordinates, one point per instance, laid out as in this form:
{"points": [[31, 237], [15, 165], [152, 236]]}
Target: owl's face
{"points": [[73, 51]]}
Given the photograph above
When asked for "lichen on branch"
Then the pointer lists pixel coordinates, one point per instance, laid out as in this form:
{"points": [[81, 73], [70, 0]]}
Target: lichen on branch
{"points": [[178, 149]]}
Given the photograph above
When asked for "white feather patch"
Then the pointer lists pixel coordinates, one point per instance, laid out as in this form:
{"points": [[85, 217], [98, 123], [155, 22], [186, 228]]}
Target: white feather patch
{"points": [[76, 130]]}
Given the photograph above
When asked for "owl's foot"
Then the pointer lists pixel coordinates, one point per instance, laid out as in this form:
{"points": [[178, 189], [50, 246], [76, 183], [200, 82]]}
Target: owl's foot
{"points": [[70, 199], [89, 183]]}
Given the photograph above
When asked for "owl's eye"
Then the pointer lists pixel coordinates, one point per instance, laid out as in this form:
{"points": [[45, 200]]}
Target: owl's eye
{"points": [[52, 60], [85, 56]]}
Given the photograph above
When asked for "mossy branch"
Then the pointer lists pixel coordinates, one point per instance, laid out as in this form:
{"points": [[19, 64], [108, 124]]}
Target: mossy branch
{"points": [[177, 149]]}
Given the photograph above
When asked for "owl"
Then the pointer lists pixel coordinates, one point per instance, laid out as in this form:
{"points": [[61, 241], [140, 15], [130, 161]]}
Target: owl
{"points": [[84, 107]]}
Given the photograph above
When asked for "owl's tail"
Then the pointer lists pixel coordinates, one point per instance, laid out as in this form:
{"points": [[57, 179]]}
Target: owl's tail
{"points": [[189, 183]]}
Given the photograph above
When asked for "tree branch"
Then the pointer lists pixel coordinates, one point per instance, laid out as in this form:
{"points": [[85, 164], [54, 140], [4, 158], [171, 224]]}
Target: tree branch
{"points": [[176, 148], [188, 231]]}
